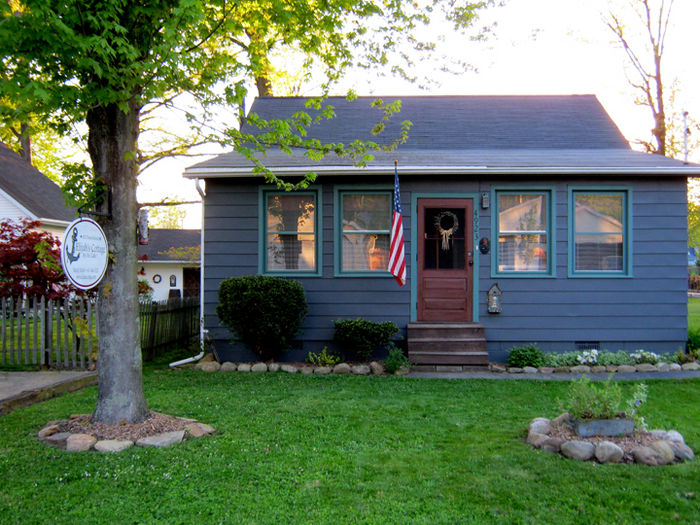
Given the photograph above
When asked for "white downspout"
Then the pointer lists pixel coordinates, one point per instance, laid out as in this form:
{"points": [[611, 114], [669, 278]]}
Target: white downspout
{"points": [[203, 332]]}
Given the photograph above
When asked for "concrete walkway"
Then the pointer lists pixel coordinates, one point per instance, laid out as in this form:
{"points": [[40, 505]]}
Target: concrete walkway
{"points": [[20, 389]]}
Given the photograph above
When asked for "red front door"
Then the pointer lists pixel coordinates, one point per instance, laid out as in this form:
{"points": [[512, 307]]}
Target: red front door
{"points": [[445, 260]]}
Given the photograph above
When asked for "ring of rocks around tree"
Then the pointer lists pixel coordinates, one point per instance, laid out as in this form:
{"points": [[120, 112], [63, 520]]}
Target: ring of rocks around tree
{"points": [[79, 434], [656, 447]]}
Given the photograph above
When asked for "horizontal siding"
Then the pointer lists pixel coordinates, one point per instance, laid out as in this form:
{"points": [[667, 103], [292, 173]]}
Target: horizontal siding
{"points": [[648, 307]]}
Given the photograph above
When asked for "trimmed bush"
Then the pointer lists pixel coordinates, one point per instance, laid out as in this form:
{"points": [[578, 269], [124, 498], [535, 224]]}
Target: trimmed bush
{"points": [[363, 337], [522, 356], [263, 312]]}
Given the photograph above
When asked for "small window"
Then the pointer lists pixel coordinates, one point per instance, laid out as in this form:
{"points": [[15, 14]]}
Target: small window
{"points": [[599, 235], [364, 231], [290, 234], [523, 224]]}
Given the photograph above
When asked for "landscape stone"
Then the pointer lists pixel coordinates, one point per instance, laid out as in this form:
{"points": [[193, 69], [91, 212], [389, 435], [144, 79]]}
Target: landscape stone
{"points": [[545, 370], [552, 445], [80, 442], [608, 452], [682, 451], [209, 366], [645, 456], [113, 445], [674, 435], [664, 450], [562, 370], [377, 368], [244, 367], [47, 431], [659, 434], [536, 439], [598, 369], [497, 367], [646, 367], [581, 369], [690, 366], [541, 425], [611, 368], [322, 370], [273, 367], [341, 368], [196, 430], [674, 367], [529, 370], [57, 440], [402, 371], [228, 366], [626, 369], [663, 367], [307, 370], [290, 369], [259, 367], [361, 370], [580, 450], [515, 370], [162, 440], [562, 419]]}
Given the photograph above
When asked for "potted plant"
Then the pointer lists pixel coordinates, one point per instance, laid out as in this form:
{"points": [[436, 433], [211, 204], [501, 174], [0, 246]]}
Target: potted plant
{"points": [[595, 410]]}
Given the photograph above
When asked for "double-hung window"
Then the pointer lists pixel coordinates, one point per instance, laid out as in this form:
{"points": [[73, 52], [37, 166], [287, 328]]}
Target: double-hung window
{"points": [[523, 224], [599, 233], [363, 231], [290, 232]]}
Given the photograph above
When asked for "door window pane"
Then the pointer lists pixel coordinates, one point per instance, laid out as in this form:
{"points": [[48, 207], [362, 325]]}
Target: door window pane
{"points": [[444, 242]]}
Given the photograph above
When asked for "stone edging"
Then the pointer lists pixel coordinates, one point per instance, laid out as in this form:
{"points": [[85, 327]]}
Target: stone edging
{"points": [[667, 448], [585, 369], [71, 442], [373, 368]]}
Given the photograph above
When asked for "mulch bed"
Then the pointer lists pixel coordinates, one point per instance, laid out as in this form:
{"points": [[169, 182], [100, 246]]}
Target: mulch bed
{"points": [[156, 424]]}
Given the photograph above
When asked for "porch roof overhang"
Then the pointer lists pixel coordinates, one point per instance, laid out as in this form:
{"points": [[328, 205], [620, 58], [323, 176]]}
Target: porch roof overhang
{"points": [[550, 162]]}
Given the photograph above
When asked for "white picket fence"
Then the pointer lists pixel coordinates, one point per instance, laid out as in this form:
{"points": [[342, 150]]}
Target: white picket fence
{"points": [[55, 333]]}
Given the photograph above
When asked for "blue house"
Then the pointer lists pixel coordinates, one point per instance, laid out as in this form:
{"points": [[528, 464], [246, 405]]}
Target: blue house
{"points": [[582, 241]]}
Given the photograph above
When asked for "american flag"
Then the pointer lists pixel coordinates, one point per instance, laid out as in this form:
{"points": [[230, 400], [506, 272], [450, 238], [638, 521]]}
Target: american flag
{"points": [[397, 255]]}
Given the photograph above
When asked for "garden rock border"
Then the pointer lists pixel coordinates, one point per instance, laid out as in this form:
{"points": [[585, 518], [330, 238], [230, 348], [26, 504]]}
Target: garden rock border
{"points": [[361, 369], [585, 369], [663, 447], [77, 442]]}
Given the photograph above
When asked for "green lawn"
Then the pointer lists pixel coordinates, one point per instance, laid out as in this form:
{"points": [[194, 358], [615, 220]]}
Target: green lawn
{"points": [[344, 449], [694, 313]]}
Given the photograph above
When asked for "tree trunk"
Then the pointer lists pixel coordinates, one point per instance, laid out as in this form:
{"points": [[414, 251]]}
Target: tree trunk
{"points": [[112, 136], [25, 143]]}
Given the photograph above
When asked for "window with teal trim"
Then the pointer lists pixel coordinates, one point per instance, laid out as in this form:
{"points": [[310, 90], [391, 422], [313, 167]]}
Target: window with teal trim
{"points": [[364, 231], [599, 231], [524, 239], [290, 232]]}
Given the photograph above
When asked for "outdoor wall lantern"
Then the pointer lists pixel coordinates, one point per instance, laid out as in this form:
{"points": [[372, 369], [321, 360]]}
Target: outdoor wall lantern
{"points": [[485, 200], [173, 281], [494, 299]]}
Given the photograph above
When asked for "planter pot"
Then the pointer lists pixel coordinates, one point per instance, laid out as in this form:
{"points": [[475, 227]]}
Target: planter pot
{"points": [[603, 427]]}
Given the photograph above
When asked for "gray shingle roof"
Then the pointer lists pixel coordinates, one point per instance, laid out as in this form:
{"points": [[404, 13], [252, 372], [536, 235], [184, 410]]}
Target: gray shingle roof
{"points": [[495, 134], [32, 189], [162, 239]]}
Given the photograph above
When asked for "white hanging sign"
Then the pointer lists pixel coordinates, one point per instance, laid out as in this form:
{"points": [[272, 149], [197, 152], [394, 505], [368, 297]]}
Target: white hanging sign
{"points": [[84, 253]]}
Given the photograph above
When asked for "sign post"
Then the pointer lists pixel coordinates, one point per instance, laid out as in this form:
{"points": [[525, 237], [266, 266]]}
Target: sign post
{"points": [[84, 253]]}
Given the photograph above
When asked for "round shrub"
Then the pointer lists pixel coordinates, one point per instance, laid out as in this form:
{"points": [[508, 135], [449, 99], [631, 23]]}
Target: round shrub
{"points": [[263, 312], [522, 356], [363, 337]]}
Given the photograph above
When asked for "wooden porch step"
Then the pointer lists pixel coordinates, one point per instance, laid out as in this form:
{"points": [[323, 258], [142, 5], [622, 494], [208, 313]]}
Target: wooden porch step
{"points": [[447, 344]]}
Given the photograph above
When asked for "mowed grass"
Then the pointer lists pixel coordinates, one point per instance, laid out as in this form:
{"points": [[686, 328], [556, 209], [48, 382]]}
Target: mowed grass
{"points": [[694, 313], [344, 449]]}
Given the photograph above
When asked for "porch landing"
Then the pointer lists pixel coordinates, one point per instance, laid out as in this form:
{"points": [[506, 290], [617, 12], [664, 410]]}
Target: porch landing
{"points": [[431, 343]]}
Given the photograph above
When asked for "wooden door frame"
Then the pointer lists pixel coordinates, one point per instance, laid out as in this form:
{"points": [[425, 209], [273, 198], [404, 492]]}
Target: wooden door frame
{"points": [[414, 246]]}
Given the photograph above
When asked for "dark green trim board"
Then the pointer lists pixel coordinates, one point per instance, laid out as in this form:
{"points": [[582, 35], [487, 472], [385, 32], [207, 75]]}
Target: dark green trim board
{"points": [[626, 193], [550, 193], [263, 194], [414, 247], [338, 192]]}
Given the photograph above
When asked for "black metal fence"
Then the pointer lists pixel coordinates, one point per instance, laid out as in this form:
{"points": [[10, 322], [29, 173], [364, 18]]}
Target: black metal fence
{"points": [[168, 324]]}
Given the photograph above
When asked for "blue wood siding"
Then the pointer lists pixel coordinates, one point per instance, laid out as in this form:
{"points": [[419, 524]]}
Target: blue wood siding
{"points": [[648, 310]]}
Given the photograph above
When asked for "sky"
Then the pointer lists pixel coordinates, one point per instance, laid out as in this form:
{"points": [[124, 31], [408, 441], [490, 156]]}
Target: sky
{"points": [[538, 47]]}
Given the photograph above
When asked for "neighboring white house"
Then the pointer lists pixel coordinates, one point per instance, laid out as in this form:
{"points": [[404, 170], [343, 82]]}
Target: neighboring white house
{"points": [[25, 192], [170, 263]]}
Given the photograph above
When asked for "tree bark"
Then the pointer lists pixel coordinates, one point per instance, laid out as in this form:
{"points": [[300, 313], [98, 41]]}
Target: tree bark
{"points": [[25, 143], [112, 136]]}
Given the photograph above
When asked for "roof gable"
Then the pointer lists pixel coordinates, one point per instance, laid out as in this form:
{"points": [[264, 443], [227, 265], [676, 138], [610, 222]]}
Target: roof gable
{"points": [[160, 240], [31, 189]]}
